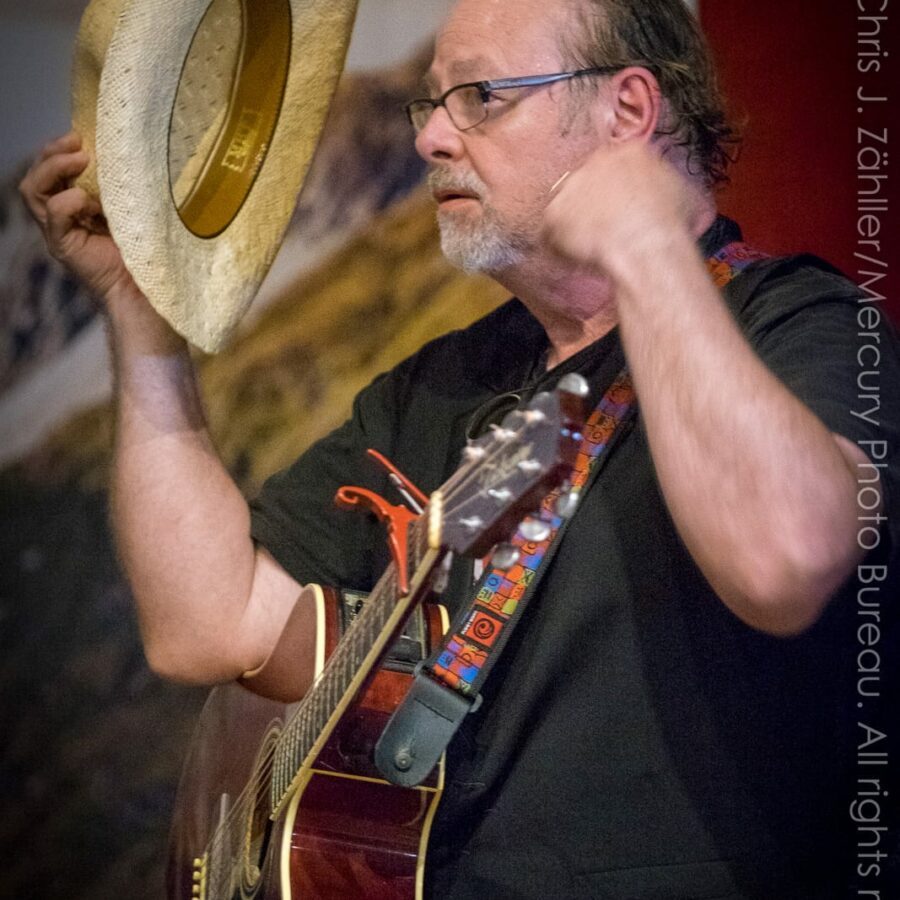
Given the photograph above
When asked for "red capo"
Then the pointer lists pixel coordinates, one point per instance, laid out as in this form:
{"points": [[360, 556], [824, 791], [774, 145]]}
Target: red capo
{"points": [[397, 519]]}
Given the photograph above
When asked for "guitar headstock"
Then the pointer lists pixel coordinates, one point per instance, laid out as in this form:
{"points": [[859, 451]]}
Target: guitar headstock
{"points": [[507, 472]]}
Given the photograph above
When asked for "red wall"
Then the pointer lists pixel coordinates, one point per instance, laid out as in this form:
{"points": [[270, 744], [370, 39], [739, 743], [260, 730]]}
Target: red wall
{"points": [[790, 68]]}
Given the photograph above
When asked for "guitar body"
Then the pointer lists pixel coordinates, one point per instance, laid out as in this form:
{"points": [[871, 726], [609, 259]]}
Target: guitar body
{"points": [[346, 832]]}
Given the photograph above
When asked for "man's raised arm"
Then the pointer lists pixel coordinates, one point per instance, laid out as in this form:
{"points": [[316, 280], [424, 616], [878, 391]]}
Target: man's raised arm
{"points": [[211, 606], [762, 494]]}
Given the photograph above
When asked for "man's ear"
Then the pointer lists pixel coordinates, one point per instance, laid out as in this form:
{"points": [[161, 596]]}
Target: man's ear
{"points": [[637, 104]]}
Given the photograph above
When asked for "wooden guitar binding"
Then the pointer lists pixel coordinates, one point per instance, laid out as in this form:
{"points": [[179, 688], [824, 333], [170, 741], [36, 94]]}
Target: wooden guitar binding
{"points": [[311, 633]]}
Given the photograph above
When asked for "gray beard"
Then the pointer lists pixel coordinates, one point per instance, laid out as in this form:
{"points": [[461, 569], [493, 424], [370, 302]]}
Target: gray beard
{"points": [[482, 247]]}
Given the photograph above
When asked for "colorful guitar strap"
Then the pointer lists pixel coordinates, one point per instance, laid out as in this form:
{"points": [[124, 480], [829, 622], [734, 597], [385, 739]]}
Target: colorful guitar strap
{"points": [[447, 684]]}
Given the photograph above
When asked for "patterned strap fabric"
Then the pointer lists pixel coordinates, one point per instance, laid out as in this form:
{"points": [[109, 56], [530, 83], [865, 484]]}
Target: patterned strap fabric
{"points": [[465, 658], [731, 260]]}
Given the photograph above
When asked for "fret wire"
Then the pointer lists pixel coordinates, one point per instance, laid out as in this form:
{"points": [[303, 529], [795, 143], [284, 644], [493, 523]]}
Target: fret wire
{"points": [[418, 531], [423, 539], [306, 738]]}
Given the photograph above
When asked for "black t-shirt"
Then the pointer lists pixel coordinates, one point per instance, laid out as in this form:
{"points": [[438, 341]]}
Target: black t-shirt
{"points": [[636, 739]]}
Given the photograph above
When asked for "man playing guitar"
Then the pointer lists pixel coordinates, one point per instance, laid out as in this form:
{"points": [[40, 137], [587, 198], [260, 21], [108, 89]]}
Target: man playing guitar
{"points": [[672, 718]]}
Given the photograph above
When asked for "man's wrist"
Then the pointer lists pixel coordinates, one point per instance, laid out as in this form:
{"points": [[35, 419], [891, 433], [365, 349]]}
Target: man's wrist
{"points": [[653, 255], [136, 328]]}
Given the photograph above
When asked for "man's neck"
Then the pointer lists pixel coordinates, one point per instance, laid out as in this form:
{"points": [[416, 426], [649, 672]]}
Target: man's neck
{"points": [[575, 308]]}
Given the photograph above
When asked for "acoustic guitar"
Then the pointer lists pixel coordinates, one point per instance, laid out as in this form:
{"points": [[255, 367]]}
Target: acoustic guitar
{"points": [[283, 800]]}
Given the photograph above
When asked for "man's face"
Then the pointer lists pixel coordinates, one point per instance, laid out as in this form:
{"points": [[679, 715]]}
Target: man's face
{"points": [[493, 181]]}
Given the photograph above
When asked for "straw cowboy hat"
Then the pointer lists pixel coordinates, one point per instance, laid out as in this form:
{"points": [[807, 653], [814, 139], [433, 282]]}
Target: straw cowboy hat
{"points": [[204, 117]]}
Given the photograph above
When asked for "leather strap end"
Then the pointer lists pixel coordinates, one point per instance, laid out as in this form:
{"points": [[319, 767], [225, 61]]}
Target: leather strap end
{"points": [[419, 730]]}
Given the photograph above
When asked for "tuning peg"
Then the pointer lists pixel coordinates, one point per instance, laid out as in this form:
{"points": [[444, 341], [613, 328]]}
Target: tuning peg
{"points": [[505, 556], [503, 434], [534, 530], [566, 503], [472, 524], [534, 416], [501, 495], [573, 383], [473, 453], [528, 466]]}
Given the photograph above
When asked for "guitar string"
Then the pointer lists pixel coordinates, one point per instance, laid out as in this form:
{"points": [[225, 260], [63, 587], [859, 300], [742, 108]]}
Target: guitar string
{"points": [[309, 711], [239, 809]]}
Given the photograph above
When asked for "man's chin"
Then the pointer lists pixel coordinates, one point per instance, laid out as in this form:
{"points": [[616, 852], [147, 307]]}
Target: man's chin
{"points": [[486, 261], [477, 246], [462, 217]]}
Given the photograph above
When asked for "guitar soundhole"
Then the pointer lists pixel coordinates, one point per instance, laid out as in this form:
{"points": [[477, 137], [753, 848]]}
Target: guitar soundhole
{"points": [[258, 824], [256, 846]]}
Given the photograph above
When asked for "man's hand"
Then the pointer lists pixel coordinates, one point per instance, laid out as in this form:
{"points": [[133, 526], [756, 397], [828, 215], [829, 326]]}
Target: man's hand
{"points": [[623, 204], [72, 221], [76, 234]]}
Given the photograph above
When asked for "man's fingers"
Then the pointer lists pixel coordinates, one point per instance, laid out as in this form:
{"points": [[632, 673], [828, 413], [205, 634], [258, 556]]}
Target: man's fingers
{"points": [[72, 221], [65, 211], [52, 172], [48, 176], [68, 143]]}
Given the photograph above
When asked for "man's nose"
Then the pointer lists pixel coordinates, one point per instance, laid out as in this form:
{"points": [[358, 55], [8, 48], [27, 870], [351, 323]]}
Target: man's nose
{"points": [[440, 138]]}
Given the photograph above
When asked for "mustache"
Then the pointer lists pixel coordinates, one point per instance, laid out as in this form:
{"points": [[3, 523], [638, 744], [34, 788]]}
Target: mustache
{"points": [[462, 181]]}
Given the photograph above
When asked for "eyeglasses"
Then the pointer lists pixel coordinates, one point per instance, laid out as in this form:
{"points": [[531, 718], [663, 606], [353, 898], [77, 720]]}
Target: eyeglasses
{"points": [[466, 104]]}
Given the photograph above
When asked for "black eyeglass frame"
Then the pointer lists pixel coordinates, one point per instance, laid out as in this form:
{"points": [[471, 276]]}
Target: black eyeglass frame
{"points": [[486, 88]]}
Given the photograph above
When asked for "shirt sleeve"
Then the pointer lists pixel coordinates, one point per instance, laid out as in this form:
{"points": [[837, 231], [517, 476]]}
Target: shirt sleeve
{"points": [[834, 348], [295, 518], [416, 415]]}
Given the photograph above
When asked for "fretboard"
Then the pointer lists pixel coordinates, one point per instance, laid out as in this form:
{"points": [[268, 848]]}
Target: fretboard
{"points": [[347, 667]]}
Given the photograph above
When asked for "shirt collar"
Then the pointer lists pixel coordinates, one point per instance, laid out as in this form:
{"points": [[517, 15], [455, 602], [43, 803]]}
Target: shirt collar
{"points": [[721, 233]]}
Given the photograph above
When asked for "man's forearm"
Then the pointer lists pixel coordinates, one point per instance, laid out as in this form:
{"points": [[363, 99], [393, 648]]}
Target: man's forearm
{"points": [[759, 489], [182, 525]]}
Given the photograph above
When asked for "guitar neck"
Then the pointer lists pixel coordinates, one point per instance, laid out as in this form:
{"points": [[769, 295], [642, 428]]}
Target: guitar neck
{"points": [[503, 474], [354, 660]]}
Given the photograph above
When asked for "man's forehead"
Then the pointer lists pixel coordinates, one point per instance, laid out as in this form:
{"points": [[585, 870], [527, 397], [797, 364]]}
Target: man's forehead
{"points": [[482, 39], [460, 70]]}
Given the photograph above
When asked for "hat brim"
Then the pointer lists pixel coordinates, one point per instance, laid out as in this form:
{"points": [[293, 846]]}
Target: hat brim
{"points": [[202, 280]]}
